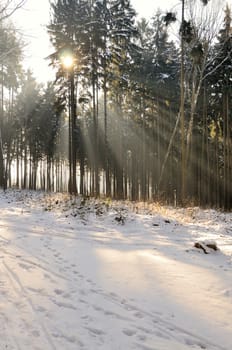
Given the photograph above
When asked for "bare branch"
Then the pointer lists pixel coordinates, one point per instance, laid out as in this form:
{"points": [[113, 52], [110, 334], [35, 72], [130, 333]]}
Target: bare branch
{"points": [[7, 11], [219, 65]]}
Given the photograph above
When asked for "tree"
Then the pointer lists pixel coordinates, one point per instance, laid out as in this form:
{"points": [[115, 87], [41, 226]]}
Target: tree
{"points": [[100, 37], [153, 82], [219, 82], [10, 70], [197, 35]]}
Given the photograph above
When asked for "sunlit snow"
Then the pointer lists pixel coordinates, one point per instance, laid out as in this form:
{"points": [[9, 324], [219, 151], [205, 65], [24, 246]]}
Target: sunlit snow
{"points": [[91, 275]]}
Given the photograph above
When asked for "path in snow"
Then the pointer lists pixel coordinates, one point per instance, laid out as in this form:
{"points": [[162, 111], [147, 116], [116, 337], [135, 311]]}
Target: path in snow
{"points": [[71, 284]]}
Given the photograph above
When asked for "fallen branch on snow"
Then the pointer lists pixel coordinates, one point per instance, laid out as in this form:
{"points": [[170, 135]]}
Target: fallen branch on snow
{"points": [[206, 246]]}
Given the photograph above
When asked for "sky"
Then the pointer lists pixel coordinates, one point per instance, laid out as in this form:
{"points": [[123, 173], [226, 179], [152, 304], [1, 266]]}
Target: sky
{"points": [[32, 19]]}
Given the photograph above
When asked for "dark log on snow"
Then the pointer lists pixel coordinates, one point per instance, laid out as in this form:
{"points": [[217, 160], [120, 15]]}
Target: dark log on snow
{"points": [[206, 246]]}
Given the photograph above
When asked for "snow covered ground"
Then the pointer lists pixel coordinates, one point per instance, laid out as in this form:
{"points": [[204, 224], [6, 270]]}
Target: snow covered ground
{"points": [[112, 276]]}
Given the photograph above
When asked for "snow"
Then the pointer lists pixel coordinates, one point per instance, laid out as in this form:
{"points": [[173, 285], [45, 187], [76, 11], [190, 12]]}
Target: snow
{"points": [[85, 274]]}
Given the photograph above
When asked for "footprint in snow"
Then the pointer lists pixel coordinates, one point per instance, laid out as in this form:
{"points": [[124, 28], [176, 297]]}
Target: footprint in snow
{"points": [[64, 305], [36, 290], [82, 301], [227, 293], [26, 267], [129, 332], [139, 315], [58, 291], [109, 313], [141, 337], [35, 333], [95, 331], [70, 338], [145, 330], [90, 281], [193, 343], [98, 308], [67, 296], [161, 335], [41, 309], [47, 276]]}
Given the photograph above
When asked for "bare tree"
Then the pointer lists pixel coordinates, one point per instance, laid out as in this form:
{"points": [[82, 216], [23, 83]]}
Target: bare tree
{"points": [[8, 8], [205, 21]]}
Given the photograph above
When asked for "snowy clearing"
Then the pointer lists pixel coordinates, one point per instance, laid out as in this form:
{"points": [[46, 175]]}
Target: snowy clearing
{"points": [[101, 276]]}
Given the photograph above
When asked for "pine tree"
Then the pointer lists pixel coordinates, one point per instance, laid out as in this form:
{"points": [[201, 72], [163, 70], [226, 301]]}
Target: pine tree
{"points": [[219, 79], [10, 70]]}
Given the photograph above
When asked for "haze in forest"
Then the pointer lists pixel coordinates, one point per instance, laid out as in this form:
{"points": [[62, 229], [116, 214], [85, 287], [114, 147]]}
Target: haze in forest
{"points": [[135, 116]]}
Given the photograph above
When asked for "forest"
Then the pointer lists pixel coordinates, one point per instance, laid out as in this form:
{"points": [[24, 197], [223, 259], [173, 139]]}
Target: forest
{"points": [[143, 111]]}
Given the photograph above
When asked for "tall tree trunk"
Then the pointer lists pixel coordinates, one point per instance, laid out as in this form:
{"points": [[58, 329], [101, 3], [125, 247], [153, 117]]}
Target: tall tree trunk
{"points": [[2, 165], [73, 135], [95, 124], [107, 170], [25, 173]]}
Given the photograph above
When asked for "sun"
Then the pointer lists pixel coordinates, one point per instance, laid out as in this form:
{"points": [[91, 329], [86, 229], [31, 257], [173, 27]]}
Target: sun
{"points": [[68, 61]]}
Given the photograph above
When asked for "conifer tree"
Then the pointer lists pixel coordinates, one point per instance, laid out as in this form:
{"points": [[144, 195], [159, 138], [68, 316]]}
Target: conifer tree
{"points": [[219, 81]]}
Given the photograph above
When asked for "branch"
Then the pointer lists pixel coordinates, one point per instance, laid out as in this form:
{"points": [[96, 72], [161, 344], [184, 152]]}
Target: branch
{"points": [[168, 150], [9, 13], [5, 54], [219, 65]]}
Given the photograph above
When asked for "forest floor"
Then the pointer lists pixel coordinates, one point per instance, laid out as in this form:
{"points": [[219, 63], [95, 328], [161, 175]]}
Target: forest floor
{"points": [[91, 275]]}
